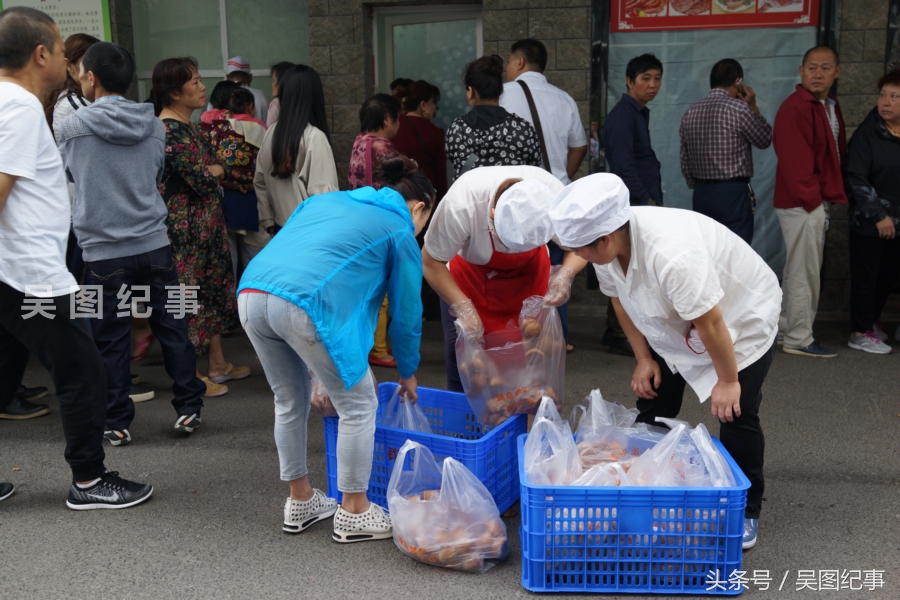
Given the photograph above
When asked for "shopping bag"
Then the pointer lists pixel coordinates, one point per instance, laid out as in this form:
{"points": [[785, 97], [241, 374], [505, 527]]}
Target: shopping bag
{"points": [[551, 457], [512, 378], [442, 514], [399, 412]]}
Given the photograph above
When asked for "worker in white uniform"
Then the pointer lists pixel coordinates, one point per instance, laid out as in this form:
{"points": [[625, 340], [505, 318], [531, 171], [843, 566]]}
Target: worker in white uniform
{"points": [[697, 303]]}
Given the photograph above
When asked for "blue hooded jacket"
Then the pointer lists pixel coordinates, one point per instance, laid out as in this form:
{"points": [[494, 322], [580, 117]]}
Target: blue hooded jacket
{"points": [[335, 258]]}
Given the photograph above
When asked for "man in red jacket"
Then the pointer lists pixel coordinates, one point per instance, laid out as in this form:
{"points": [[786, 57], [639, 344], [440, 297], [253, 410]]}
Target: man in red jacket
{"points": [[810, 143]]}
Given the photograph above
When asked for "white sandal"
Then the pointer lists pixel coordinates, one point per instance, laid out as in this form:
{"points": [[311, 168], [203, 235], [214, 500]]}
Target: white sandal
{"points": [[299, 515], [374, 524]]}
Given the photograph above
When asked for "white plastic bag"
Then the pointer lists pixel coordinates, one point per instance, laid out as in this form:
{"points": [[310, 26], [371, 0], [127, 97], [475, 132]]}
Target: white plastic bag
{"points": [[443, 515], [719, 472], [598, 475], [551, 457], [547, 410], [399, 412], [655, 467]]}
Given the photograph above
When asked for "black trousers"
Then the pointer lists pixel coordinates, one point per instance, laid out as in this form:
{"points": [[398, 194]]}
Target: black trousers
{"points": [[65, 348], [154, 270], [454, 383], [874, 269], [727, 202], [743, 437]]}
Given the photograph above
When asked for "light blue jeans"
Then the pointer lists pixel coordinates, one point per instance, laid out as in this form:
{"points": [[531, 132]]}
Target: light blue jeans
{"points": [[288, 344]]}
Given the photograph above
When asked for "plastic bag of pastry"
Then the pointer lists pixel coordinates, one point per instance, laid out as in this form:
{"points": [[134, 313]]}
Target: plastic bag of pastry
{"points": [[442, 514], [599, 413], [547, 410], [656, 467], [399, 412], [603, 475], [319, 402], [525, 363], [551, 457], [719, 472]]}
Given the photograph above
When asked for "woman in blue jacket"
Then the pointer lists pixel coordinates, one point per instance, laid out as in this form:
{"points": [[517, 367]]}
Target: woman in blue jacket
{"points": [[310, 300]]}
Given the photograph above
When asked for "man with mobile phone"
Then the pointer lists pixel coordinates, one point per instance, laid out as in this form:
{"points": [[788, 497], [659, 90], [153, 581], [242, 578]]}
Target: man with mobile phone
{"points": [[716, 157]]}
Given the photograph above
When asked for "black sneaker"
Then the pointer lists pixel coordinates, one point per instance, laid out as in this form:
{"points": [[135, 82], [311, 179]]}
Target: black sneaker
{"points": [[188, 423], [141, 394], [32, 393], [6, 490], [20, 409], [117, 438], [110, 492]]}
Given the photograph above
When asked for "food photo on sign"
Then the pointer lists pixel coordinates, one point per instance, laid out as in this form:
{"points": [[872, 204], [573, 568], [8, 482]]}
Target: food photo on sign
{"points": [[727, 7], [689, 7], [645, 8]]}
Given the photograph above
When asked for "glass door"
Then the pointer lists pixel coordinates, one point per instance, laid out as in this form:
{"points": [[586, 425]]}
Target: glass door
{"points": [[430, 43]]}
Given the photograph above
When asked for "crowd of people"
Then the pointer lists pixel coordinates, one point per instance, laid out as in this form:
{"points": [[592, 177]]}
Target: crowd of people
{"points": [[234, 215]]}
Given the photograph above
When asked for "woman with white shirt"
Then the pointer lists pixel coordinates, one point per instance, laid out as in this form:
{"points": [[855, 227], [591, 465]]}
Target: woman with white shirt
{"points": [[697, 303], [295, 160], [485, 252]]}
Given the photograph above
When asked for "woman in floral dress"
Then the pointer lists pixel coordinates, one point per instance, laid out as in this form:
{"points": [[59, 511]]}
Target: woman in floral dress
{"points": [[190, 186]]}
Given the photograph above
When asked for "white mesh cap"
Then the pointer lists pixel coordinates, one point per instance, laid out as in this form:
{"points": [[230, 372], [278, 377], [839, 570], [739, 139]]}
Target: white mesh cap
{"points": [[589, 208], [521, 218]]}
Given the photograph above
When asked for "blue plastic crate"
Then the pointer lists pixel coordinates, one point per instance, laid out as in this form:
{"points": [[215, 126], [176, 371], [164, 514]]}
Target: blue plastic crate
{"points": [[635, 540], [490, 456]]}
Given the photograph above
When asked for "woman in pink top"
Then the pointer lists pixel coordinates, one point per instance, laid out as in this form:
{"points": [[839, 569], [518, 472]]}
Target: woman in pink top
{"points": [[379, 123], [379, 120]]}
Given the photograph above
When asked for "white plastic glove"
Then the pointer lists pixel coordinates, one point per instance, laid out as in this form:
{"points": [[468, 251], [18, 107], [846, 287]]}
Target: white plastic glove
{"points": [[560, 289], [465, 313]]}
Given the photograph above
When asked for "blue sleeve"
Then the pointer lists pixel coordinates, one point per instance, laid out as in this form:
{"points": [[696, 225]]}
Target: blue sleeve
{"points": [[405, 303], [618, 143]]}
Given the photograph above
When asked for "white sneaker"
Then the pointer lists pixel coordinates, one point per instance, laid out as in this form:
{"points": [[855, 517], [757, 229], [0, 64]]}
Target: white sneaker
{"points": [[299, 514], [374, 524], [868, 342]]}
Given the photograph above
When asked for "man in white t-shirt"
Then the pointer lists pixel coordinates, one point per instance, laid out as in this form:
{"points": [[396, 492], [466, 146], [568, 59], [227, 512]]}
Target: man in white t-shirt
{"points": [[560, 120], [37, 301], [698, 305], [564, 143]]}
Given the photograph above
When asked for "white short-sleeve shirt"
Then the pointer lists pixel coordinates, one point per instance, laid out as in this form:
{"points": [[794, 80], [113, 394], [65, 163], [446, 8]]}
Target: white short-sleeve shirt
{"points": [[560, 119], [461, 222], [682, 265], [34, 224]]}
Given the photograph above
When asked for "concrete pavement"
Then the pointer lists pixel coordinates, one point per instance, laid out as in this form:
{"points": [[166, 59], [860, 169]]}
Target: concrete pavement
{"points": [[212, 529]]}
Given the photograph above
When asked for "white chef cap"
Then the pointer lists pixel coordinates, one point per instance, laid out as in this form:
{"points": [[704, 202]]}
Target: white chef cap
{"points": [[521, 217], [589, 208]]}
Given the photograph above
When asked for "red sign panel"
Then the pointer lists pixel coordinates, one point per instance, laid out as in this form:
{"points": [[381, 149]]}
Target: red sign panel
{"points": [[666, 15]]}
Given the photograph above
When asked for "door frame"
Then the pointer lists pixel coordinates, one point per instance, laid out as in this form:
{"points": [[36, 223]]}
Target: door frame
{"points": [[401, 15]]}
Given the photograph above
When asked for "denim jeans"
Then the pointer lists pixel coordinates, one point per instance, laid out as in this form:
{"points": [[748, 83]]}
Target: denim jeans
{"points": [[112, 334], [288, 345]]}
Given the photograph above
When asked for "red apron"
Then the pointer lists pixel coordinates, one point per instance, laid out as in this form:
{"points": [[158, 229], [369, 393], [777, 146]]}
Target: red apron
{"points": [[498, 288]]}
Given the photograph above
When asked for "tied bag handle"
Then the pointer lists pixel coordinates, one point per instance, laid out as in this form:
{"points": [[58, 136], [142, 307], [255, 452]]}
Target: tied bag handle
{"points": [[545, 158]]}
